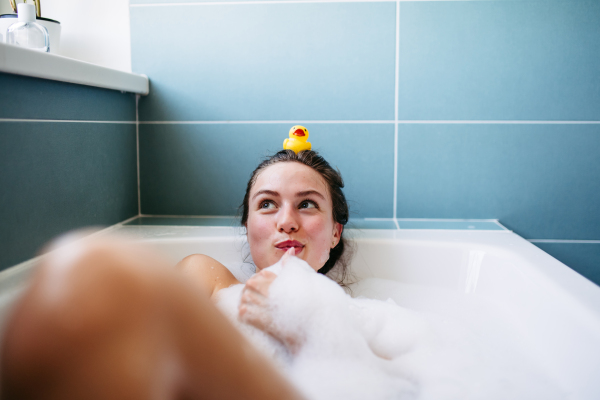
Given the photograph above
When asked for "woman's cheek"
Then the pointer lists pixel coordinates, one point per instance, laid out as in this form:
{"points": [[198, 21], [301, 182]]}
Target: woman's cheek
{"points": [[259, 234], [321, 239]]}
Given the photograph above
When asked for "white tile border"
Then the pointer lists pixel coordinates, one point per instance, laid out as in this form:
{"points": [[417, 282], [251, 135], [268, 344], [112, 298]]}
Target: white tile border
{"points": [[448, 220], [65, 121], [225, 2], [254, 2], [186, 216], [398, 122], [564, 241], [396, 96], [491, 122], [291, 121], [21, 61], [137, 151]]}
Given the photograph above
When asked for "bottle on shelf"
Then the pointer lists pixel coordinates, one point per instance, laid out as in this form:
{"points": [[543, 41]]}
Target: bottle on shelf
{"points": [[26, 32]]}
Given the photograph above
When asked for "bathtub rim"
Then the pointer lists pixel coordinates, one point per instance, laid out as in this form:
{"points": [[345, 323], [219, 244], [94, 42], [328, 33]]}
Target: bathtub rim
{"points": [[567, 280]]}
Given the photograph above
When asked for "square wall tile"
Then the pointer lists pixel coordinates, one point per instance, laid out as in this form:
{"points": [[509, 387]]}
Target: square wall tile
{"points": [[499, 60], [23, 97], [281, 61], [61, 176], [203, 169], [539, 180]]}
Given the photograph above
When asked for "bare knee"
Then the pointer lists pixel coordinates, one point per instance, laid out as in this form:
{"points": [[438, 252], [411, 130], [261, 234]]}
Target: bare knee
{"points": [[93, 285], [78, 300]]}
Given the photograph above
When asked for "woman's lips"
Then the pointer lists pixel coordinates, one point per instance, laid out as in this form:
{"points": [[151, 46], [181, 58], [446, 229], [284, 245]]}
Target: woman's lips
{"points": [[285, 246]]}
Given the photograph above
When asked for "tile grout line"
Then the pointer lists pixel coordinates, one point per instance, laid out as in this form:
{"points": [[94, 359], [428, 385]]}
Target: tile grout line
{"points": [[500, 122], [294, 121], [255, 2], [490, 122], [137, 151], [449, 219], [565, 241], [397, 67], [395, 121], [65, 120], [187, 216]]}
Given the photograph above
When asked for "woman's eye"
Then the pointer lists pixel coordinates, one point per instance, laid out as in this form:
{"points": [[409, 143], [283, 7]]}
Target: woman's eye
{"points": [[308, 204], [266, 205]]}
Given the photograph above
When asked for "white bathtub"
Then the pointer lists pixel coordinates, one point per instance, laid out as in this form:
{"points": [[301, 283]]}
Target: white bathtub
{"points": [[501, 284]]}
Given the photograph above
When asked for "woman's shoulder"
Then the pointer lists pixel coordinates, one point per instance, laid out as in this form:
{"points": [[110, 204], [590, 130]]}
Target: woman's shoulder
{"points": [[206, 272]]}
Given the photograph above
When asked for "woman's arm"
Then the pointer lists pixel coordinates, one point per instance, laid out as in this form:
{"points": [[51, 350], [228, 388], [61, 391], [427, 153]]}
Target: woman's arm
{"points": [[206, 273]]}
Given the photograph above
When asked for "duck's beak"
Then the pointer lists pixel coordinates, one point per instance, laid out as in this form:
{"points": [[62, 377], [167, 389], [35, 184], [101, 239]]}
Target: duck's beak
{"points": [[299, 132]]}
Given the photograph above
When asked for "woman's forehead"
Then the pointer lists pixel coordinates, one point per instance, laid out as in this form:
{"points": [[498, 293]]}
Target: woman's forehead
{"points": [[290, 177]]}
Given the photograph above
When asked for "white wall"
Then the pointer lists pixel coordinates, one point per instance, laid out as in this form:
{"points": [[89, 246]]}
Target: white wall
{"points": [[95, 31]]}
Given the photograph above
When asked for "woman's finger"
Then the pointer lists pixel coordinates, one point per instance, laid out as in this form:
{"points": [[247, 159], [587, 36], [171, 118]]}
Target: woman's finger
{"points": [[291, 252], [261, 282], [253, 297]]}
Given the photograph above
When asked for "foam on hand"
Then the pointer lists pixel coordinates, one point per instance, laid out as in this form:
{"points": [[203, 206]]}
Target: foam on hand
{"points": [[360, 348]]}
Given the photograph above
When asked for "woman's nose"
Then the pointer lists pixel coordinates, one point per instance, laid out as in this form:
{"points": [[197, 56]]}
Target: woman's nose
{"points": [[287, 221]]}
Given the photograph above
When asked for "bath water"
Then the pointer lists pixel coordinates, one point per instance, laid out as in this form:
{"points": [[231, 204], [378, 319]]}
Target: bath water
{"points": [[392, 341]]}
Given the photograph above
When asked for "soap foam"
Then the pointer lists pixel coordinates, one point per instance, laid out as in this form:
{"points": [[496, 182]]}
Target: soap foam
{"points": [[361, 348]]}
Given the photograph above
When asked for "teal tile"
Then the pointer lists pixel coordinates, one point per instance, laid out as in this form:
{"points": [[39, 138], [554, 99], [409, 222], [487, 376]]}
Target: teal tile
{"points": [[540, 181], [499, 60], [359, 223], [582, 257], [61, 176], [203, 169], [448, 224], [171, 4], [23, 97], [281, 61], [186, 221]]}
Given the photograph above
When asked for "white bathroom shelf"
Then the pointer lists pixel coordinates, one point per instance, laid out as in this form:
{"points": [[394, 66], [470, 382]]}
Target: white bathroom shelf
{"points": [[22, 61]]}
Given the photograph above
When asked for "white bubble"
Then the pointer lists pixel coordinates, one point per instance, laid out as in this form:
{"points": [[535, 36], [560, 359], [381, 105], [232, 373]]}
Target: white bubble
{"points": [[362, 348]]}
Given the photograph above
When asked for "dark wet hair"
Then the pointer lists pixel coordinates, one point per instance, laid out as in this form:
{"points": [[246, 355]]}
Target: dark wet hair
{"points": [[335, 183]]}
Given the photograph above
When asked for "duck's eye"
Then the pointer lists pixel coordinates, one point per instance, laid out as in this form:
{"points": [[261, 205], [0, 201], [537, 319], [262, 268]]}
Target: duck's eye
{"points": [[266, 205], [308, 204]]}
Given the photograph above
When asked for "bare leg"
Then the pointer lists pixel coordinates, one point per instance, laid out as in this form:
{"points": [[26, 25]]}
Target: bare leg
{"points": [[109, 320]]}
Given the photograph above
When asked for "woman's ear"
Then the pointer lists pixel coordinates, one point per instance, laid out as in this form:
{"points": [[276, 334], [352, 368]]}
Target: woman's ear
{"points": [[337, 234]]}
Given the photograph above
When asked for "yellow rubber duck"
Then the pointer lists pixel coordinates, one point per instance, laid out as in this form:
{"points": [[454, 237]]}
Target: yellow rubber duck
{"points": [[298, 139]]}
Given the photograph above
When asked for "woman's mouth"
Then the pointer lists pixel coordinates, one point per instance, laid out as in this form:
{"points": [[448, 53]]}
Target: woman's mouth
{"points": [[285, 246]]}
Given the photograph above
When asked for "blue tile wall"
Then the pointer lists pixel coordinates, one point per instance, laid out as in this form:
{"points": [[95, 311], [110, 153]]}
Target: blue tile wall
{"points": [[58, 176], [467, 61], [542, 181], [517, 60], [203, 169], [323, 61], [32, 98]]}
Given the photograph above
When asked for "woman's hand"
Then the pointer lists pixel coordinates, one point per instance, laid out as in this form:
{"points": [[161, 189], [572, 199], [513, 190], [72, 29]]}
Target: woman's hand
{"points": [[254, 306]]}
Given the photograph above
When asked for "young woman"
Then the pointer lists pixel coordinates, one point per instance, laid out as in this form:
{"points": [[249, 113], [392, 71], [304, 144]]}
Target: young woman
{"points": [[110, 320]]}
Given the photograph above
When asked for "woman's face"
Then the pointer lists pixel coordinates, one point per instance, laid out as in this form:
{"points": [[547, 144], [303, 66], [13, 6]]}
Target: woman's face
{"points": [[290, 206]]}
